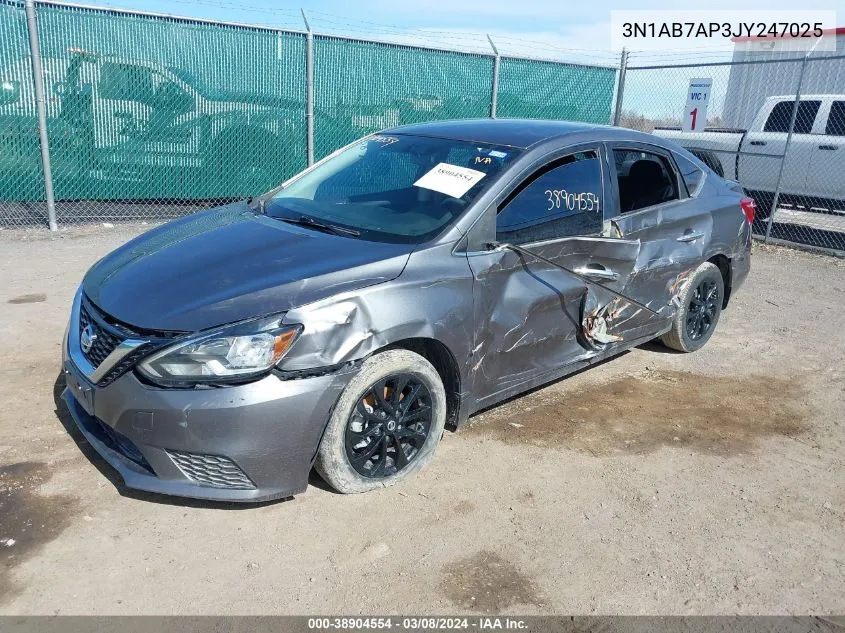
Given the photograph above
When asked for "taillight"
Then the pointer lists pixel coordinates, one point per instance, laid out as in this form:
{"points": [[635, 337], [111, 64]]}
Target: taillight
{"points": [[749, 207]]}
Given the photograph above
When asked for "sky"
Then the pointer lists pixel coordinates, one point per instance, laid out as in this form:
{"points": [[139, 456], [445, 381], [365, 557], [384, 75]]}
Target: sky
{"points": [[537, 28]]}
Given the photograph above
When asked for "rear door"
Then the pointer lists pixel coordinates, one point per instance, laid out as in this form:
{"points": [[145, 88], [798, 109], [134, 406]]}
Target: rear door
{"points": [[653, 206], [826, 178], [759, 159], [529, 313]]}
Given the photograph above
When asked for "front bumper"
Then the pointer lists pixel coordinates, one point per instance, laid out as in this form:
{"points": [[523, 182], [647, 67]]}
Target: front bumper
{"points": [[249, 442]]}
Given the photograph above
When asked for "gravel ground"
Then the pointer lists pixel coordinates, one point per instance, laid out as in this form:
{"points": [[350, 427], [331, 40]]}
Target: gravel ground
{"points": [[660, 483]]}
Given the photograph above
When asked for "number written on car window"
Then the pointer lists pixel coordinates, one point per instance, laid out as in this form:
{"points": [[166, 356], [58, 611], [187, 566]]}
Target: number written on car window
{"points": [[559, 200], [581, 201]]}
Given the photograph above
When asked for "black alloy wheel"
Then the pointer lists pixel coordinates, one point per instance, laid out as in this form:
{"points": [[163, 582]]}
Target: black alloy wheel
{"points": [[702, 309], [389, 426]]}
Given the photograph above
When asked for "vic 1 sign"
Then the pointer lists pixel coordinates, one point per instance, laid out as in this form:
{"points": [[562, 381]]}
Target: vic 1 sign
{"points": [[695, 112]]}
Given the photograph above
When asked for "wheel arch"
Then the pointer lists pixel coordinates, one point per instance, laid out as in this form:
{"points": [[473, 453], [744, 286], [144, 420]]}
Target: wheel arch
{"points": [[723, 263], [443, 360]]}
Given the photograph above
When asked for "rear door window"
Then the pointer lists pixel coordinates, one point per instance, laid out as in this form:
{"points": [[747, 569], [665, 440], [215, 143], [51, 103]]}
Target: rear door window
{"points": [[781, 114], [563, 199], [645, 179]]}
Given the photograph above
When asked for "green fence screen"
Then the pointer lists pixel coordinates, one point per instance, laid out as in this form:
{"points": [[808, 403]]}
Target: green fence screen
{"points": [[363, 87], [546, 90], [21, 176], [156, 116]]}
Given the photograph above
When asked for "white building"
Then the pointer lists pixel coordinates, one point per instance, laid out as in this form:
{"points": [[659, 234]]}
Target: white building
{"points": [[765, 68]]}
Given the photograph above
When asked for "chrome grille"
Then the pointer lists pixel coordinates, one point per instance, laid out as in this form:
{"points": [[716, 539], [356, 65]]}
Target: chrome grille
{"points": [[211, 470], [110, 334], [105, 341]]}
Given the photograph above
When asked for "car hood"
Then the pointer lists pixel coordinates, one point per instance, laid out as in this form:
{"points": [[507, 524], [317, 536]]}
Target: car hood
{"points": [[230, 264]]}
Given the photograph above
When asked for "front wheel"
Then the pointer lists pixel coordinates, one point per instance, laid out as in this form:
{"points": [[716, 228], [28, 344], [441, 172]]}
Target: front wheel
{"points": [[386, 425], [701, 306]]}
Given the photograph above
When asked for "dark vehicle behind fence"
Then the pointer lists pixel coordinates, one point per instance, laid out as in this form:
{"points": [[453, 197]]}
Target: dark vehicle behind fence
{"points": [[404, 282], [127, 129]]}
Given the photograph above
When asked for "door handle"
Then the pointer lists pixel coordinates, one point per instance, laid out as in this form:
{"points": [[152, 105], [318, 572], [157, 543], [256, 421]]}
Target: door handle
{"points": [[829, 147], [598, 273], [690, 237], [757, 143]]}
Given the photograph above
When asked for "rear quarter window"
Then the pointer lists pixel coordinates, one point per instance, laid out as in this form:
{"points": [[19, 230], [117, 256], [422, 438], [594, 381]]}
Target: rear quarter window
{"points": [[691, 174]]}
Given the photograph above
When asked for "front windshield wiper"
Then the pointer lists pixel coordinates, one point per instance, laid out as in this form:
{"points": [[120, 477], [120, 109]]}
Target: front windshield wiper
{"points": [[304, 220]]}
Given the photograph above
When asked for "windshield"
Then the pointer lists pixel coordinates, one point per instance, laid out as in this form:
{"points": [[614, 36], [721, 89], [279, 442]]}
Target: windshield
{"points": [[397, 188]]}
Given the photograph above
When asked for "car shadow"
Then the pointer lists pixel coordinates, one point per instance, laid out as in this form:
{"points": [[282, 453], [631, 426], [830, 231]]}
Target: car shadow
{"points": [[658, 348], [547, 384], [64, 416]]}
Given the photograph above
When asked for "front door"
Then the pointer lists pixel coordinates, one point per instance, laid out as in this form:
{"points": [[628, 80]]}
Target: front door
{"points": [[533, 317]]}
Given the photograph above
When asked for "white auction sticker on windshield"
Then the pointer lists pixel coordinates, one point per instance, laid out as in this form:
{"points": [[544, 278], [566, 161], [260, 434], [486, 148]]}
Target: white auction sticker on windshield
{"points": [[450, 179]]}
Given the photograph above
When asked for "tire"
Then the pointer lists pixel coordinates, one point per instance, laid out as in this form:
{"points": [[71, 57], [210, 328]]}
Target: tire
{"points": [[356, 428], [690, 331]]}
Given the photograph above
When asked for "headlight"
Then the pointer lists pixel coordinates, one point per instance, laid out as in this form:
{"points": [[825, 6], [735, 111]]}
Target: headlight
{"points": [[232, 354]]}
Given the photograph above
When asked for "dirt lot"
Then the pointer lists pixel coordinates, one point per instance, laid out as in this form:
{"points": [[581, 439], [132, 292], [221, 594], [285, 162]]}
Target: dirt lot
{"points": [[655, 483]]}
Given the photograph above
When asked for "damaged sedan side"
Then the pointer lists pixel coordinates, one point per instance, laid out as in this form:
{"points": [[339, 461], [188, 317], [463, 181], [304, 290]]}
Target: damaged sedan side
{"points": [[343, 319]]}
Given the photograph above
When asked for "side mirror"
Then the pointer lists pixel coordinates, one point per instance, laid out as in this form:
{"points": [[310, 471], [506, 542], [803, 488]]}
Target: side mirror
{"points": [[10, 92]]}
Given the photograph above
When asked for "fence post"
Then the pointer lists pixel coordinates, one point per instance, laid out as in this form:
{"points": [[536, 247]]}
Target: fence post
{"points": [[792, 117], [38, 78], [620, 87], [309, 91], [494, 90]]}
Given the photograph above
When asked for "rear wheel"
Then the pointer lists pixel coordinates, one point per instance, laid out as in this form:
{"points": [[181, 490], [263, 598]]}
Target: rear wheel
{"points": [[701, 306], [386, 425]]}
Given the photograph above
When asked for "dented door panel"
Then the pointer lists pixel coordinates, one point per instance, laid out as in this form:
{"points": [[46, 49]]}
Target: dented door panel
{"points": [[673, 238], [533, 317]]}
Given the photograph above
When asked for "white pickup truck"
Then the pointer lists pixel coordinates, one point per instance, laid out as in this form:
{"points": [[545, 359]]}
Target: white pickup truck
{"points": [[814, 168]]}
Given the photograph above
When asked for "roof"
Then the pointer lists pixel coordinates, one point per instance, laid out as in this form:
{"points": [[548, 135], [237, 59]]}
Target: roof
{"points": [[518, 133]]}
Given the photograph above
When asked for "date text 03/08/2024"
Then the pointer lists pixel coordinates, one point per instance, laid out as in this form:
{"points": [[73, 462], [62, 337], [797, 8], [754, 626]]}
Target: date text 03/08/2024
{"points": [[416, 623]]}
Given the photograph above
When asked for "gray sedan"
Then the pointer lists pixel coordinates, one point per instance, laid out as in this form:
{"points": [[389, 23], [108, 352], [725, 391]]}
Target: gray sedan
{"points": [[342, 320]]}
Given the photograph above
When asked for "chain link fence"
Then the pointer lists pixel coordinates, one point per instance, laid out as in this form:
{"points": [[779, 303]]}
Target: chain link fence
{"points": [[21, 174], [153, 117], [775, 123]]}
